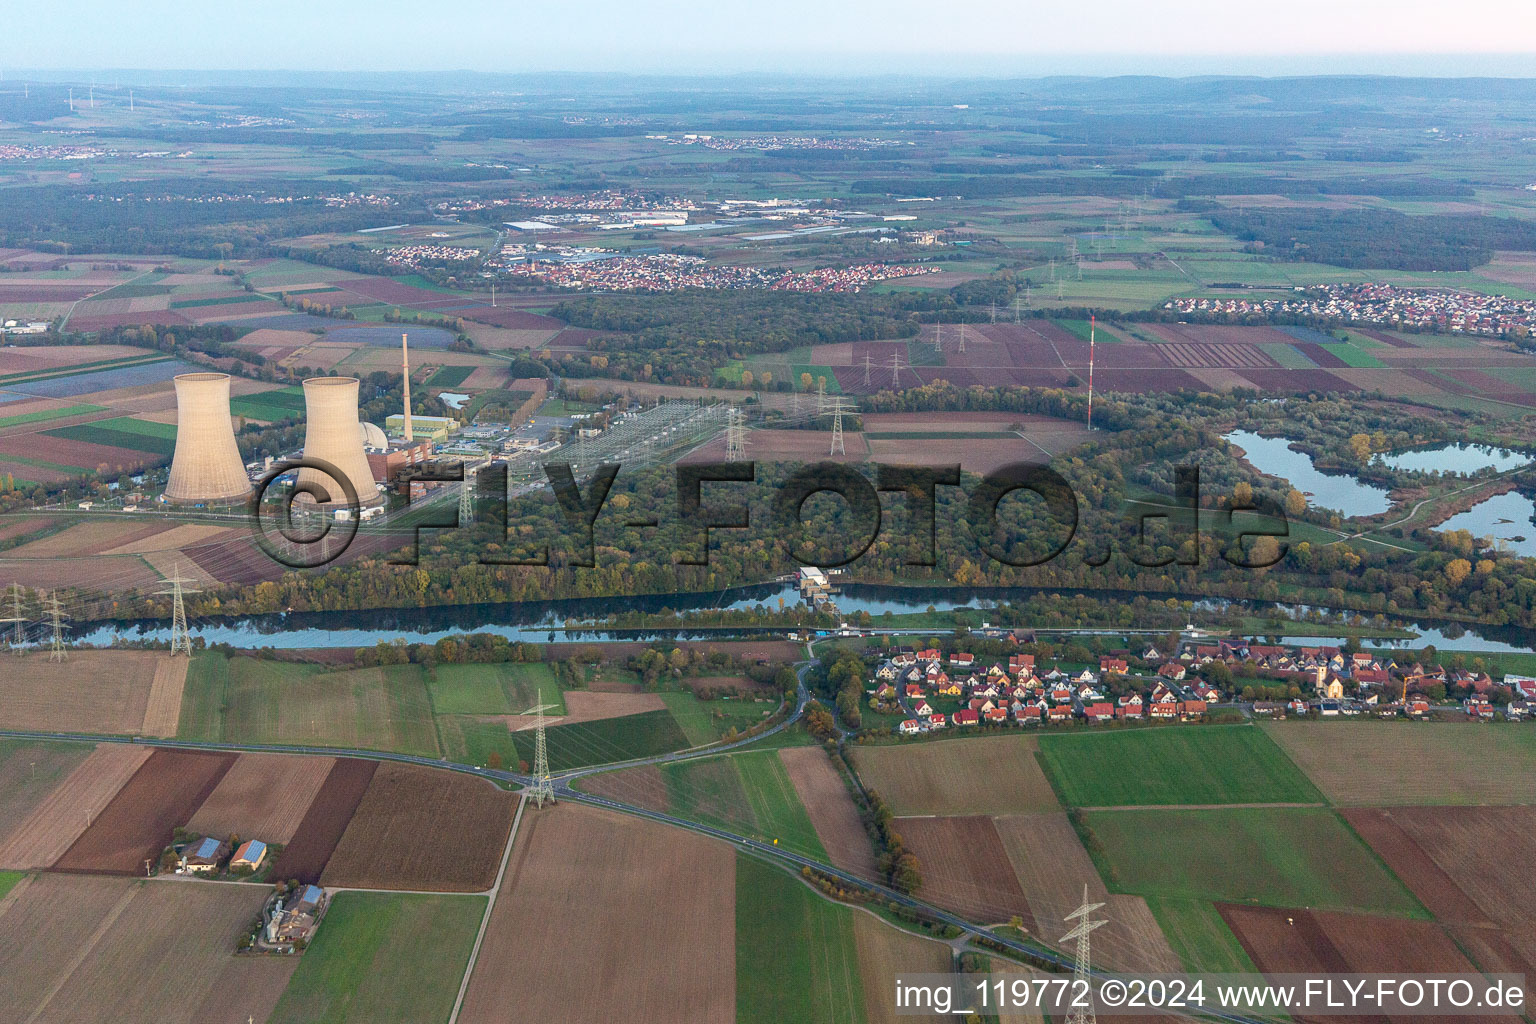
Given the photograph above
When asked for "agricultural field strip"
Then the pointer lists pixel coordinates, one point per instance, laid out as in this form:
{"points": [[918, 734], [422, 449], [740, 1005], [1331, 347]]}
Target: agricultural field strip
{"points": [[741, 842], [490, 905]]}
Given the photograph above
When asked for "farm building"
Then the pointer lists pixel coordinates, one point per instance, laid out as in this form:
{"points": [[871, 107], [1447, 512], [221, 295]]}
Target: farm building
{"points": [[203, 856], [250, 855]]}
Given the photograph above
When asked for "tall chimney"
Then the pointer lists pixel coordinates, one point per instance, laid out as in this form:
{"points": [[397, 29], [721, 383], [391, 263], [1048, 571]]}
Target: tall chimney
{"points": [[405, 362]]}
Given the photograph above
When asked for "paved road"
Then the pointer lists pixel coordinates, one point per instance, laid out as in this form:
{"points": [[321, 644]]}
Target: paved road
{"points": [[563, 791]]}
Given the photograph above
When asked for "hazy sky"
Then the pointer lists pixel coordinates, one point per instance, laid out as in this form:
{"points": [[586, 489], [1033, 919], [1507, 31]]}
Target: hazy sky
{"points": [[987, 36]]}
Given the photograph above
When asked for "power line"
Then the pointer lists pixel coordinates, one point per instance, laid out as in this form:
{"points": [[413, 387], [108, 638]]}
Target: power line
{"points": [[543, 790], [735, 438], [181, 640], [18, 621], [56, 651], [1082, 968]]}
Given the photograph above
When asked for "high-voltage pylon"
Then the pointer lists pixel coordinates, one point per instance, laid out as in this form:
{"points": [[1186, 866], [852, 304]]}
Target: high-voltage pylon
{"points": [[16, 620], [994, 312], [821, 395], [735, 437], [543, 790], [181, 640], [866, 369], [837, 408], [1082, 967], [467, 501], [895, 371], [56, 651], [938, 337], [961, 347]]}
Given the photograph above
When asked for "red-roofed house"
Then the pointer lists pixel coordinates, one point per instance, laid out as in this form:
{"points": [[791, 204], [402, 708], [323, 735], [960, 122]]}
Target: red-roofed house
{"points": [[966, 717]]}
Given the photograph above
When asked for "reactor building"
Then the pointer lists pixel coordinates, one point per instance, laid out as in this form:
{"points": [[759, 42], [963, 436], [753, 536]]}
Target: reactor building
{"points": [[333, 433], [206, 467]]}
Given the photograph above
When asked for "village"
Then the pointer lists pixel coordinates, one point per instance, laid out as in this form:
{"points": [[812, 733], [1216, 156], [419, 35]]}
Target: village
{"points": [[1380, 305], [935, 690]]}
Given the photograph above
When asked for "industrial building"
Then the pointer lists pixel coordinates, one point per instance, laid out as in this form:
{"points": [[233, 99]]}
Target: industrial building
{"points": [[206, 467], [434, 428]]}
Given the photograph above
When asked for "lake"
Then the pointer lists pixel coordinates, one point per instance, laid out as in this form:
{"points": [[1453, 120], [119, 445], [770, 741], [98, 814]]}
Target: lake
{"points": [[1339, 492], [1455, 458], [1503, 517]]}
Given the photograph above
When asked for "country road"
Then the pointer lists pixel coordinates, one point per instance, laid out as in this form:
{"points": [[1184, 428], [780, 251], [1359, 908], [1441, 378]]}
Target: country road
{"points": [[563, 791]]}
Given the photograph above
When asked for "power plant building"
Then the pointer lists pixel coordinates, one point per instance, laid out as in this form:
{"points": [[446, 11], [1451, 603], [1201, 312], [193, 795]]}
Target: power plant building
{"points": [[206, 466], [332, 433]]}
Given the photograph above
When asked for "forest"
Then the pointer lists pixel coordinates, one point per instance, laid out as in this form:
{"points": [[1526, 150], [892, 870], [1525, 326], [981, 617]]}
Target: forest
{"points": [[1377, 238]]}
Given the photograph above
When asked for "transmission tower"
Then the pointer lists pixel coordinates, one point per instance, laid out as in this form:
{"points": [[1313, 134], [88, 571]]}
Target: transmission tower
{"points": [[181, 640], [994, 312], [837, 409], [938, 337], [895, 371], [961, 346], [467, 501], [1082, 969], [821, 396], [16, 619], [543, 790], [1093, 324], [56, 651], [735, 438], [866, 369]]}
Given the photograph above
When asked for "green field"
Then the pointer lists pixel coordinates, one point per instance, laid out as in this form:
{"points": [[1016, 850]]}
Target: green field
{"points": [[508, 688], [224, 301], [1173, 765], [796, 958], [1276, 856], [705, 721], [747, 792], [383, 957], [282, 404], [43, 415], [1354, 355], [123, 432], [1198, 934], [249, 700], [8, 880], [1289, 357], [472, 739], [450, 376]]}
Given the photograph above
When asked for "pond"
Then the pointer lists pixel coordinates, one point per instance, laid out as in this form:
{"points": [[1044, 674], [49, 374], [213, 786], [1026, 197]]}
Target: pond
{"points": [[1342, 493], [1504, 517], [1455, 458]]}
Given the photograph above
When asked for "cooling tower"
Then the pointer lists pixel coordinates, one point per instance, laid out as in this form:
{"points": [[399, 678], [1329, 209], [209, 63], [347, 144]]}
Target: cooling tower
{"points": [[206, 466], [332, 433]]}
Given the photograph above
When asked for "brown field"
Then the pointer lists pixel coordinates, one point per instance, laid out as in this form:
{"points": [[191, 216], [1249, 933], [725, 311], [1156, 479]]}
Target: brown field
{"points": [[827, 801], [974, 455], [1052, 867], [787, 445], [12, 527], [590, 706], [1383, 763], [55, 823], [1295, 940], [1434, 887], [1518, 268], [424, 828], [884, 953], [138, 823], [29, 771], [134, 952], [52, 357], [942, 778], [1487, 850], [605, 916], [263, 796], [92, 575], [94, 537], [92, 691], [168, 538], [164, 709], [964, 867], [326, 820]]}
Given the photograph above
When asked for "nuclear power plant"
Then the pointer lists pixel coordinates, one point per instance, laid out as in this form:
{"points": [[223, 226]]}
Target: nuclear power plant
{"points": [[206, 466], [333, 433]]}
